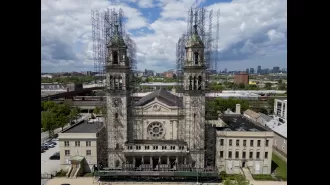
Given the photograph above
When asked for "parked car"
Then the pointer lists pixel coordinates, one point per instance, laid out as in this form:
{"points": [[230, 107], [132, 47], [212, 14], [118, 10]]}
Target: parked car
{"points": [[42, 149], [45, 147], [50, 145], [55, 156]]}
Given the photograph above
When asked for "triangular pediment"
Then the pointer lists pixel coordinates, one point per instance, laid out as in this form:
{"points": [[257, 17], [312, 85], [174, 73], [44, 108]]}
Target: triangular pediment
{"points": [[163, 97], [156, 106]]}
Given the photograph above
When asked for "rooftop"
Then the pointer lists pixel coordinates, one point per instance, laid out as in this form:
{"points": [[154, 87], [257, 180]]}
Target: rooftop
{"points": [[86, 127], [278, 127], [180, 142], [163, 96], [239, 123]]}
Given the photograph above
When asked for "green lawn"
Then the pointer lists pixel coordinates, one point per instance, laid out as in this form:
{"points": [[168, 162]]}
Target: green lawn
{"points": [[281, 169]]}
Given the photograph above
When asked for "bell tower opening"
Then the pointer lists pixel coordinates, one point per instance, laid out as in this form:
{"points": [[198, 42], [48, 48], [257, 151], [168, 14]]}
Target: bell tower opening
{"points": [[196, 58], [115, 57]]}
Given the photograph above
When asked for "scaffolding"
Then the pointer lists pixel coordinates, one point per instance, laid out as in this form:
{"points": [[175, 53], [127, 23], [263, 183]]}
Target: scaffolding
{"points": [[117, 80], [194, 117]]}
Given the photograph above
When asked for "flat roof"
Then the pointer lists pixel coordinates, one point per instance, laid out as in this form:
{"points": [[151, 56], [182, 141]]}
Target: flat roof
{"points": [[85, 127], [239, 123]]}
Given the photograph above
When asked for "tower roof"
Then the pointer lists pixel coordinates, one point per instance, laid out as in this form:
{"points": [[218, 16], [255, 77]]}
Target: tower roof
{"points": [[117, 39], [194, 39]]}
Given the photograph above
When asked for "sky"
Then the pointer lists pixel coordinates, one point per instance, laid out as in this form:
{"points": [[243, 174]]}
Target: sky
{"points": [[251, 32]]}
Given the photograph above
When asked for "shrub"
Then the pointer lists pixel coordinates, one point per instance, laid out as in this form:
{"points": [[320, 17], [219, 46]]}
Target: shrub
{"points": [[61, 173], [262, 177]]}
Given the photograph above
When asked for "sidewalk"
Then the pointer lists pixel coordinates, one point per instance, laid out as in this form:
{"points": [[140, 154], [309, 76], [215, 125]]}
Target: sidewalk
{"points": [[247, 174]]}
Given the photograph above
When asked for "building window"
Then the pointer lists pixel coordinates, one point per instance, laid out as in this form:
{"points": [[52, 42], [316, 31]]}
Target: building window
{"points": [[266, 155], [236, 155], [88, 143], [243, 155], [117, 146], [146, 147], [251, 155], [221, 154], [181, 147], [164, 147], [229, 154], [230, 142], [155, 147], [66, 143], [258, 155], [77, 143], [267, 142], [88, 152], [129, 147], [172, 147], [221, 142], [244, 142], [67, 152], [259, 143], [237, 142], [138, 147], [251, 142]]}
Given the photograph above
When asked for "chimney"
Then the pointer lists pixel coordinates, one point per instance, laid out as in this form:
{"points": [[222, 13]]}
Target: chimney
{"points": [[238, 108]]}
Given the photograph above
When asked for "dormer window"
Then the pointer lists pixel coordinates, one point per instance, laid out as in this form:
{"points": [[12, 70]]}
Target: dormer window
{"points": [[196, 58], [115, 57]]}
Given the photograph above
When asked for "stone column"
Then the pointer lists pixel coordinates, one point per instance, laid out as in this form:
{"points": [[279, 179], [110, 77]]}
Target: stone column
{"points": [[151, 162], [168, 160], [185, 160], [142, 160], [134, 161], [282, 109]]}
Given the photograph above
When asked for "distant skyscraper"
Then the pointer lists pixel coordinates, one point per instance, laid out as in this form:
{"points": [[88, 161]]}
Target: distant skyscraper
{"points": [[259, 70], [225, 70], [247, 70], [276, 69], [251, 70]]}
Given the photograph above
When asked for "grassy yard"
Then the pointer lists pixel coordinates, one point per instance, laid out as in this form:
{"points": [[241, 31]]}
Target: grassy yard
{"points": [[280, 166]]}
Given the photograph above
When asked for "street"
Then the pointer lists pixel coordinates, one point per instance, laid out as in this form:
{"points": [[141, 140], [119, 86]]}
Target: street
{"points": [[44, 135]]}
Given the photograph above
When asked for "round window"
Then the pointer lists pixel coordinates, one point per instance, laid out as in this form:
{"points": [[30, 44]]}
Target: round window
{"points": [[156, 130]]}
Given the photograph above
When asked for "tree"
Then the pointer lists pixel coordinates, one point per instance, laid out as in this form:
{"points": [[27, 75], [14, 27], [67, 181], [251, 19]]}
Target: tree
{"points": [[281, 87], [62, 120], [222, 104], [97, 110], [74, 114], [48, 121], [239, 180], [268, 86], [48, 105]]}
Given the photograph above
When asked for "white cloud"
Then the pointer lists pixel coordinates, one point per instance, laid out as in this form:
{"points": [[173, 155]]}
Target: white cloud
{"points": [[248, 29]]}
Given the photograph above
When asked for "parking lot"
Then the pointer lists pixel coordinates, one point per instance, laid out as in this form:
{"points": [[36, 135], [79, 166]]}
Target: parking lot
{"points": [[47, 165]]}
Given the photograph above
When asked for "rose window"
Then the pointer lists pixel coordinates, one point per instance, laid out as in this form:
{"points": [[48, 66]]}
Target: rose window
{"points": [[156, 130]]}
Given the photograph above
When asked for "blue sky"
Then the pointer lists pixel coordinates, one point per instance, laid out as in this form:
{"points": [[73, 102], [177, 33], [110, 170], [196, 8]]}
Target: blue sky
{"points": [[252, 32]]}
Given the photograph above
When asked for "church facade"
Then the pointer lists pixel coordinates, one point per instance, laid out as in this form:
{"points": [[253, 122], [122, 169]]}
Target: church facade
{"points": [[161, 130]]}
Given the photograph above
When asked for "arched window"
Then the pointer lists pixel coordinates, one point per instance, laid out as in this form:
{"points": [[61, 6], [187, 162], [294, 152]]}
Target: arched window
{"points": [[199, 82], [195, 83], [117, 146], [120, 83], [116, 82], [194, 115], [196, 58], [115, 57], [117, 163], [116, 115], [111, 82], [190, 82]]}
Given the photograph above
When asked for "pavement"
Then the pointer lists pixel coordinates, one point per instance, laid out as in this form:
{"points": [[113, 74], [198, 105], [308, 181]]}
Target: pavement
{"points": [[44, 135], [247, 174], [47, 165], [92, 181]]}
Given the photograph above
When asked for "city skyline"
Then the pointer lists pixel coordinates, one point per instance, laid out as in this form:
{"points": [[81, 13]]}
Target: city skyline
{"points": [[251, 33]]}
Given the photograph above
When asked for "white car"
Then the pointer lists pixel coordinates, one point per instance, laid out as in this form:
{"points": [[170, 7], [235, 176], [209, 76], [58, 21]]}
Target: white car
{"points": [[55, 139]]}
